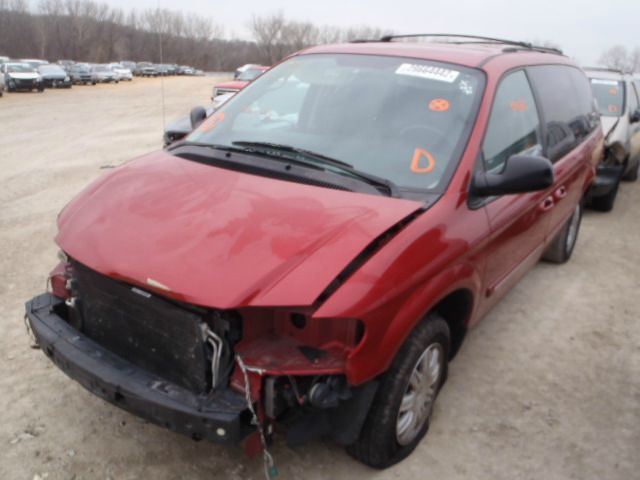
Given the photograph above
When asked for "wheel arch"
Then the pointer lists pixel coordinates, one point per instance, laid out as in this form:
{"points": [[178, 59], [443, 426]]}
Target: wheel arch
{"points": [[453, 295], [455, 309]]}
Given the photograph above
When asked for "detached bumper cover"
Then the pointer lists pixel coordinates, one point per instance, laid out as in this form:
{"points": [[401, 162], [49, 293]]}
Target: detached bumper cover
{"points": [[607, 179], [219, 417]]}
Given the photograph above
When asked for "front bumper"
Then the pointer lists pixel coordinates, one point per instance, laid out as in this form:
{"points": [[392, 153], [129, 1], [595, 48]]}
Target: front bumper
{"points": [[220, 417], [56, 83], [24, 84]]}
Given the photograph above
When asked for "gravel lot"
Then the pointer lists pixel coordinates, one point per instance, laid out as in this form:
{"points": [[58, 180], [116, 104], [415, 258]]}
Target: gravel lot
{"points": [[546, 387]]}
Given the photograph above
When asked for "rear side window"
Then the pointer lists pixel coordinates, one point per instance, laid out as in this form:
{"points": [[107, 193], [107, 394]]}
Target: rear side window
{"points": [[514, 123], [567, 103]]}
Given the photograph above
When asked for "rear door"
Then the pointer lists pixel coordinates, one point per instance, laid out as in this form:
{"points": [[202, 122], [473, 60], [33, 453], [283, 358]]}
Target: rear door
{"points": [[519, 222], [569, 119]]}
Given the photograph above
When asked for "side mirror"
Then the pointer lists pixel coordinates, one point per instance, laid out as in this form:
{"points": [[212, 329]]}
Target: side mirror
{"points": [[521, 173], [197, 116], [635, 116]]}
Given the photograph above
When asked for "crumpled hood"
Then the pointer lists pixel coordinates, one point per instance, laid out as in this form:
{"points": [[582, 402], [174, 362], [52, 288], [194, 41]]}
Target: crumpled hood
{"points": [[619, 128], [221, 238], [607, 123]]}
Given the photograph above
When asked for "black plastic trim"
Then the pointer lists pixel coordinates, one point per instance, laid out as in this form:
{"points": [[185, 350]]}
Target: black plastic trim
{"points": [[218, 417]]}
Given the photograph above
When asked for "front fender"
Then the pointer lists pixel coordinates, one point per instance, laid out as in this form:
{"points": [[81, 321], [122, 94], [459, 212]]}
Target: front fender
{"points": [[386, 333]]}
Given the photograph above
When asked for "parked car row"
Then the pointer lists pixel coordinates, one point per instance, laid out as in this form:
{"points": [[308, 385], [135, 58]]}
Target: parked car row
{"points": [[314, 253], [148, 69], [30, 74]]}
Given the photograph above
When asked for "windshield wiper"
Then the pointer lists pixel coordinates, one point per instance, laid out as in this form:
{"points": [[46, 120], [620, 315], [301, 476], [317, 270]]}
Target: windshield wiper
{"points": [[374, 180]]}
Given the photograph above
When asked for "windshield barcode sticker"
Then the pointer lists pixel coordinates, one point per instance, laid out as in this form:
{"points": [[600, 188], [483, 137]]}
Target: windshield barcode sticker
{"points": [[428, 71]]}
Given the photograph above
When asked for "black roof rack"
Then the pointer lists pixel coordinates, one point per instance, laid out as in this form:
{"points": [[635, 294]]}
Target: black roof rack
{"points": [[467, 38]]}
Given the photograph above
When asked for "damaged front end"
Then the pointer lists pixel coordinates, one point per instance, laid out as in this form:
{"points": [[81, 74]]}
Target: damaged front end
{"points": [[186, 367]]}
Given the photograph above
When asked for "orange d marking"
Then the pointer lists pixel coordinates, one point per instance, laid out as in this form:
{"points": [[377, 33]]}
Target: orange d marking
{"points": [[519, 106], [613, 108], [439, 105], [415, 164], [613, 91]]}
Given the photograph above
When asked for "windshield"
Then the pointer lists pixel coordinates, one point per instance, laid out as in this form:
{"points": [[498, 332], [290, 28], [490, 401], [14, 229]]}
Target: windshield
{"points": [[20, 69], [48, 69], [609, 95], [102, 69], [404, 120], [251, 74]]}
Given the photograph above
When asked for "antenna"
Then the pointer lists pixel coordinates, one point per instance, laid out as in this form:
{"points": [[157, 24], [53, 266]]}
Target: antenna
{"points": [[164, 123]]}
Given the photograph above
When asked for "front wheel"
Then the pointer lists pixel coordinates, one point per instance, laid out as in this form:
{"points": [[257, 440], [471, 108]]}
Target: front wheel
{"points": [[561, 248], [401, 411]]}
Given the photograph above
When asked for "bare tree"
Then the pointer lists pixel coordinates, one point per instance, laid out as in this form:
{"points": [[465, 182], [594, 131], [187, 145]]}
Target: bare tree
{"points": [[93, 31], [617, 58], [635, 60], [267, 33]]}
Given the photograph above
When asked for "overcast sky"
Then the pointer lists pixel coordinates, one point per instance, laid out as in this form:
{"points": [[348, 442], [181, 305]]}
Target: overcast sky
{"points": [[582, 28]]}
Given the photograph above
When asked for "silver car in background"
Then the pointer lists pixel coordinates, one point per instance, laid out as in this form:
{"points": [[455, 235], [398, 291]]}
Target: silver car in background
{"points": [[618, 97], [123, 74], [104, 74]]}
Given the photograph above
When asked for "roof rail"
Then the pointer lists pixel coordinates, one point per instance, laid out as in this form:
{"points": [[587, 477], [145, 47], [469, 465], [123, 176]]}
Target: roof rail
{"points": [[479, 39]]}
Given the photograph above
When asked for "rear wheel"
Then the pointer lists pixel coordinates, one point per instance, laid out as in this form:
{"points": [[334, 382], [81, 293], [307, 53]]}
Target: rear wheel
{"points": [[401, 411], [560, 250]]}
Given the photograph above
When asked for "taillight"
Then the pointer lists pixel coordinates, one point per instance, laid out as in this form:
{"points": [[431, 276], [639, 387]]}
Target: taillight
{"points": [[59, 280]]}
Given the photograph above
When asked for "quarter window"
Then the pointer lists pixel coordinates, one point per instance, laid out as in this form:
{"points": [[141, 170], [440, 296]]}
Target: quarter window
{"points": [[514, 123], [568, 106]]}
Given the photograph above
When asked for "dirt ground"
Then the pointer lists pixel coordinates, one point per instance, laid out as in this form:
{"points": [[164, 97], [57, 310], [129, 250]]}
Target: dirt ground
{"points": [[546, 387]]}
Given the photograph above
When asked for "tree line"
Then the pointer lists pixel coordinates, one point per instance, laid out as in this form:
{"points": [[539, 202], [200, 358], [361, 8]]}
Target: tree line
{"points": [[619, 57], [91, 31]]}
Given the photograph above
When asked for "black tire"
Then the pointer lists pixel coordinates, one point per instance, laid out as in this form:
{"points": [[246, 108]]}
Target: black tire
{"points": [[378, 445], [605, 203], [561, 248], [632, 175]]}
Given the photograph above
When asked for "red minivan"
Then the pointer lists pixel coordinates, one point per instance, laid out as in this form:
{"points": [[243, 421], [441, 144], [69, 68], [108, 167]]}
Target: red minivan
{"points": [[314, 253]]}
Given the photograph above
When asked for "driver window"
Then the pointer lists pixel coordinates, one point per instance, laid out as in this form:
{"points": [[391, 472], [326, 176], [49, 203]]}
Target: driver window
{"points": [[514, 124]]}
